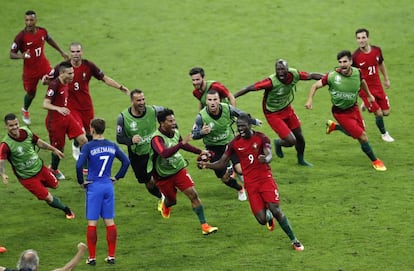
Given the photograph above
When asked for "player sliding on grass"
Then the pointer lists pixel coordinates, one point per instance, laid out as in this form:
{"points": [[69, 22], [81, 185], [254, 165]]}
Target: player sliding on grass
{"points": [[18, 146], [254, 152]]}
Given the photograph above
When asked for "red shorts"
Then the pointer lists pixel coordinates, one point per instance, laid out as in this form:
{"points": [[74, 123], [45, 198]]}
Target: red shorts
{"points": [[168, 186], [60, 127], [283, 121], [84, 117], [30, 82], [261, 193], [381, 99], [351, 120], [38, 183]]}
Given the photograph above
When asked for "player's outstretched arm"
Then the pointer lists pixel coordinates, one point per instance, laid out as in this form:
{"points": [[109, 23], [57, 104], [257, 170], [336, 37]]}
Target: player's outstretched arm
{"points": [[75, 260]]}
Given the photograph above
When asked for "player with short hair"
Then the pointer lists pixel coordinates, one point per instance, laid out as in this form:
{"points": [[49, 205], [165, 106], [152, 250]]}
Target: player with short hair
{"points": [[79, 99], [202, 86], [99, 155], [368, 58], [168, 167], [135, 126], [279, 92], [19, 148], [213, 125], [30, 43], [344, 84], [254, 152], [59, 120]]}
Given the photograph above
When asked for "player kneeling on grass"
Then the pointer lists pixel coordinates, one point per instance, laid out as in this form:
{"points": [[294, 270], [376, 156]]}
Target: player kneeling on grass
{"points": [[254, 152], [168, 167]]}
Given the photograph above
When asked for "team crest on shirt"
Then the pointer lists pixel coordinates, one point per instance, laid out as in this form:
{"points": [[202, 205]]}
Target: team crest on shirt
{"points": [[20, 151], [338, 79], [255, 145], [133, 126], [50, 92], [280, 91], [84, 75]]}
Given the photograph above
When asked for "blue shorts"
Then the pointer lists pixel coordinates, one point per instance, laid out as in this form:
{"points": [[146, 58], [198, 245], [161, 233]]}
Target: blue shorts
{"points": [[100, 200]]}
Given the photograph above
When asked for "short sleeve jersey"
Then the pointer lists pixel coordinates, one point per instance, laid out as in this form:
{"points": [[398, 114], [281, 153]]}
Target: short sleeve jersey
{"points": [[21, 153], [57, 93], [79, 96], [248, 151], [37, 65], [368, 64]]}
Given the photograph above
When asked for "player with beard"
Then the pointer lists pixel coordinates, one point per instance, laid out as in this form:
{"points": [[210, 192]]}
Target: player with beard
{"points": [[279, 92], [30, 43], [202, 86], [344, 84], [254, 152], [135, 126]]}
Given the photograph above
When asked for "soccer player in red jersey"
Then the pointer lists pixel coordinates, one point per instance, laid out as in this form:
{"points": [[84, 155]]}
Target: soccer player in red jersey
{"points": [[202, 86], [59, 120], [368, 58], [79, 100], [30, 43], [279, 92], [254, 151]]}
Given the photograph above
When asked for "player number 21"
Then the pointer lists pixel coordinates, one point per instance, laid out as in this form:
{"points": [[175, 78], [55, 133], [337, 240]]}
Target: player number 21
{"points": [[372, 70]]}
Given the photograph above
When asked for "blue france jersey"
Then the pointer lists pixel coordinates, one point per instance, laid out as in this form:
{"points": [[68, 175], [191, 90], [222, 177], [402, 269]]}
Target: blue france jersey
{"points": [[99, 156]]}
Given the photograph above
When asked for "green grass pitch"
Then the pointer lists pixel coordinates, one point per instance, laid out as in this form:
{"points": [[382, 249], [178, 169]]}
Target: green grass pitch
{"points": [[348, 216]]}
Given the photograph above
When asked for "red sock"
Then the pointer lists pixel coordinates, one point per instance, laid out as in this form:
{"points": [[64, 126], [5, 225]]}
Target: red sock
{"points": [[91, 237], [111, 234]]}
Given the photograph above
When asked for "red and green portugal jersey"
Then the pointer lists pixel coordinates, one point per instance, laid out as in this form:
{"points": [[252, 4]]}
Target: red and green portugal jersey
{"points": [[144, 126], [219, 89], [344, 89], [24, 158], [221, 132], [281, 95], [171, 165]]}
